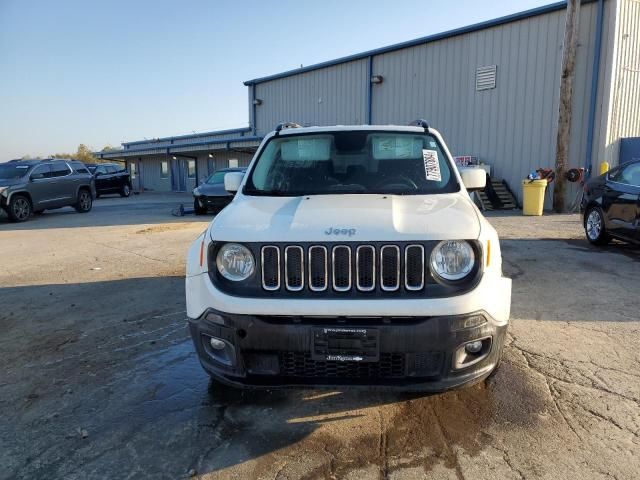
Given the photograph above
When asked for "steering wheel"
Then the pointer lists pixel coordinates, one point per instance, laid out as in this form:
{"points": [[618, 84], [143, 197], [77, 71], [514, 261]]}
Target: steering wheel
{"points": [[398, 181]]}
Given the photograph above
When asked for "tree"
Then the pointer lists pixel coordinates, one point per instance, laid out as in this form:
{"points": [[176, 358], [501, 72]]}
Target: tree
{"points": [[84, 154]]}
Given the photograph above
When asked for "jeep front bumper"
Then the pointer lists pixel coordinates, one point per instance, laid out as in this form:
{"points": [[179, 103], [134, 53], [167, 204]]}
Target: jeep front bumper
{"points": [[412, 354]]}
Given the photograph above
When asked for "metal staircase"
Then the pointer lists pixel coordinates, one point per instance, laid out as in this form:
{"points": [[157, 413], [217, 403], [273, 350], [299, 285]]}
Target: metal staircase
{"points": [[496, 196]]}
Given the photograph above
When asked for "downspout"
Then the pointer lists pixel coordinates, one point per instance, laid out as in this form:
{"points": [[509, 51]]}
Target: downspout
{"points": [[253, 109], [594, 89], [369, 88]]}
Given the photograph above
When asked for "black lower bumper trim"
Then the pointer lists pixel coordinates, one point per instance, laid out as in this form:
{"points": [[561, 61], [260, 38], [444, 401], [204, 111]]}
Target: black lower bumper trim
{"points": [[416, 354]]}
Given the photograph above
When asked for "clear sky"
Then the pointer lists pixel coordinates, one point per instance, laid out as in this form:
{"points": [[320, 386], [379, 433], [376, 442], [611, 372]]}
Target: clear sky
{"points": [[103, 72]]}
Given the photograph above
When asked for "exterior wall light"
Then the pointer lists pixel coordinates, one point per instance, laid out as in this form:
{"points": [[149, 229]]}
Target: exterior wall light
{"points": [[257, 101], [377, 79]]}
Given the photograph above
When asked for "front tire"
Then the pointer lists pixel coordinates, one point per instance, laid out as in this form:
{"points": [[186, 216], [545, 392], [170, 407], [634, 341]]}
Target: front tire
{"points": [[198, 209], [19, 208], [594, 227], [125, 191], [85, 202]]}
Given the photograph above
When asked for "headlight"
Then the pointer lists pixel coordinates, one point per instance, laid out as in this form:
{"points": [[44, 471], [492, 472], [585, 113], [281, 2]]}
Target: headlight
{"points": [[3, 189], [235, 262], [196, 192], [452, 260]]}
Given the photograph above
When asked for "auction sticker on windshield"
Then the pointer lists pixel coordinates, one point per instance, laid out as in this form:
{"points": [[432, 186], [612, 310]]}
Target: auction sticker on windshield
{"points": [[431, 165]]}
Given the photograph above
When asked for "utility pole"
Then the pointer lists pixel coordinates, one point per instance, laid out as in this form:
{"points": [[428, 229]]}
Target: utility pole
{"points": [[566, 95]]}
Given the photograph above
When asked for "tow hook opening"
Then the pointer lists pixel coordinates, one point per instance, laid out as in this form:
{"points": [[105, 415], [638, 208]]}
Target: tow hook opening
{"points": [[221, 351], [471, 352]]}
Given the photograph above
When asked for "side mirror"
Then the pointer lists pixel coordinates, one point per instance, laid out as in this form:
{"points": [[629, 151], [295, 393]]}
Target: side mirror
{"points": [[473, 178], [232, 181], [36, 176]]}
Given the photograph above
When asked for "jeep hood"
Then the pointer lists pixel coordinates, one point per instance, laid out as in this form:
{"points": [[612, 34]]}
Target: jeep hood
{"points": [[317, 218]]}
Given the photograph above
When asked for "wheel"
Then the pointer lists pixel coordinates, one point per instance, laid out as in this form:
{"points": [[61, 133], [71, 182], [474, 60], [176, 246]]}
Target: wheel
{"points": [[19, 208], [125, 191], [198, 209], [85, 202], [594, 226]]}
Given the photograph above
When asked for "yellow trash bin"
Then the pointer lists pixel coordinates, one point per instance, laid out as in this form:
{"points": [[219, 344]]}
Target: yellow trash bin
{"points": [[533, 196]]}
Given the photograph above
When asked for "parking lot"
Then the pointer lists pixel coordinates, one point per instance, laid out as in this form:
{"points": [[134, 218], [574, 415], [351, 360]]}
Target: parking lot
{"points": [[99, 377]]}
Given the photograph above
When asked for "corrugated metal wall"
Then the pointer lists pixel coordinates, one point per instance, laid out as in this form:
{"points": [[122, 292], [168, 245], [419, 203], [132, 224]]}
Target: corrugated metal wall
{"points": [[187, 139], [624, 118], [330, 96], [512, 127], [207, 166], [151, 168]]}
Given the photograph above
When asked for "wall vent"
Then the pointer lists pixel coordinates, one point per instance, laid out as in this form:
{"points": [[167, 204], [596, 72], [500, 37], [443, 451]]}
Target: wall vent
{"points": [[486, 77]]}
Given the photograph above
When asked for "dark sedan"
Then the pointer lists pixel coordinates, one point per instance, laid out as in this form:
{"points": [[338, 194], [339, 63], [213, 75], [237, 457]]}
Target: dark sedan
{"points": [[210, 195], [611, 205]]}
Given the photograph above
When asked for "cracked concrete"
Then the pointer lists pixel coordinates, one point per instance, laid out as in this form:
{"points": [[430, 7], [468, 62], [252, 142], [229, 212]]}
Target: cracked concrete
{"points": [[94, 341]]}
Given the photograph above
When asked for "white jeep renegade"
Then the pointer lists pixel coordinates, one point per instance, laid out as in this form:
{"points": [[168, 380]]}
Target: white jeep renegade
{"points": [[350, 255]]}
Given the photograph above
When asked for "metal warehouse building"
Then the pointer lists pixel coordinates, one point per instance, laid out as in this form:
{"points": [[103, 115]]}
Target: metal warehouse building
{"points": [[492, 89]]}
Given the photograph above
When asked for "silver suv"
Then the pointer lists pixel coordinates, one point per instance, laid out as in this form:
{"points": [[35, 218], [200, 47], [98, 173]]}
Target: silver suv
{"points": [[33, 186]]}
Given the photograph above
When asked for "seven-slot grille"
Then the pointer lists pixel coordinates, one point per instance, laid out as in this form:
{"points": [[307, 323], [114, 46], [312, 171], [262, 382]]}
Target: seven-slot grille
{"points": [[342, 268]]}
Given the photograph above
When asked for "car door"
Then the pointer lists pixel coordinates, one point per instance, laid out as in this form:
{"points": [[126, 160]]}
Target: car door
{"points": [[620, 200], [102, 179], [63, 184], [40, 187], [114, 178]]}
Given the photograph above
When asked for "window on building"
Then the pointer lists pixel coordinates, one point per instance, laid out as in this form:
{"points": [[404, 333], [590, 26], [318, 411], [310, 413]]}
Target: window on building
{"points": [[164, 169], [233, 163], [192, 169]]}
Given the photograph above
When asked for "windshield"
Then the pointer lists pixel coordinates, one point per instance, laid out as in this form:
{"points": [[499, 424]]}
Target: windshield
{"points": [[216, 178], [13, 171], [399, 163]]}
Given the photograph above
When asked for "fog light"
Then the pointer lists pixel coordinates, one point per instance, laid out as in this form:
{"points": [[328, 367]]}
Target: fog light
{"points": [[471, 347], [217, 344]]}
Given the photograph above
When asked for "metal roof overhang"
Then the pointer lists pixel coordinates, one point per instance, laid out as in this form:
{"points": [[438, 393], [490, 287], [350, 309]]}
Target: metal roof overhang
{"points": [[193, 135], [202, 146]]}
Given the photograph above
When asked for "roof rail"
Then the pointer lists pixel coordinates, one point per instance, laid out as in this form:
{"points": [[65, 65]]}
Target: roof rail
{"points": [[284, 125], [420, 123]]}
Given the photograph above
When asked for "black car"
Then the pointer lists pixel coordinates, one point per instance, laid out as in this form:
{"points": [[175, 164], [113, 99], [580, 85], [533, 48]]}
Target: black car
{"points": [[111, 178], [611, 205], [211, 195]]}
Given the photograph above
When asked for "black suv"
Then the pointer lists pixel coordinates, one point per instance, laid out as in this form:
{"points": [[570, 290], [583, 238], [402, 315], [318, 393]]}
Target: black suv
{"points": [[111, 178], [33, 186]]}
